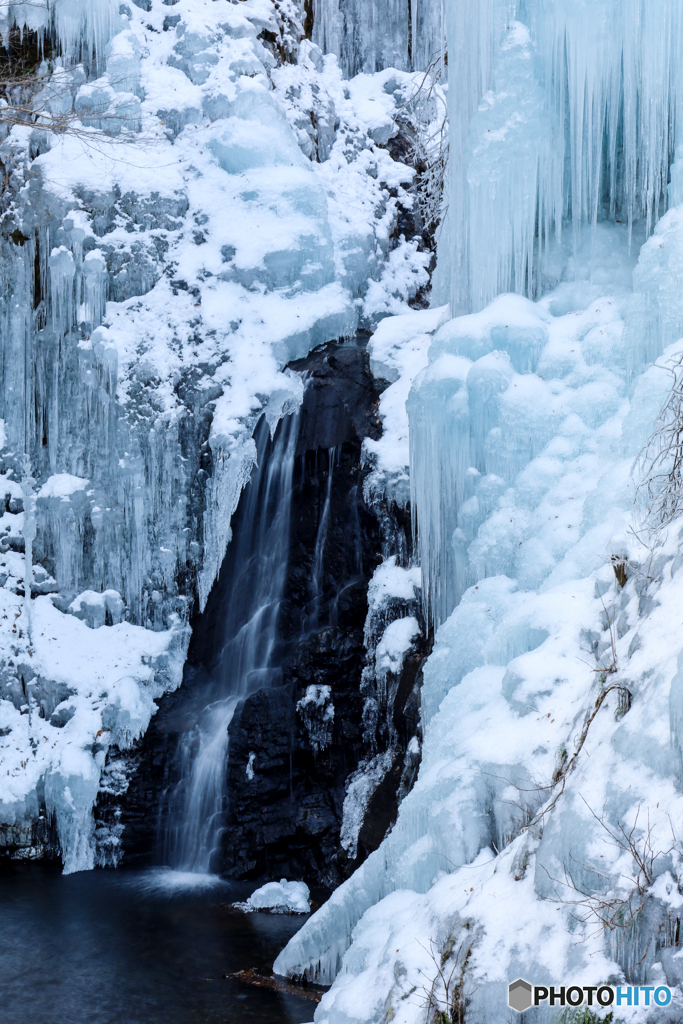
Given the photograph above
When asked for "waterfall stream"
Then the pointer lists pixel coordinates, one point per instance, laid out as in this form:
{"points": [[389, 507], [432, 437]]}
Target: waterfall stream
{"points": [[260, 555], [228, 769]]}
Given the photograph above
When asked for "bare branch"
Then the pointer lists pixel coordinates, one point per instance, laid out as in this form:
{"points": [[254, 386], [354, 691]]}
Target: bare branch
{"points": [[430, 145], [659, 495], [445, 1000], [562, 773], [615, 912]]}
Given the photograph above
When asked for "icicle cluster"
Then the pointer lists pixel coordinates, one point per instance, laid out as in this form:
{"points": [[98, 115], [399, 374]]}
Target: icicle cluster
{"points": [[82, 27], [572, 120], [369, 35]]}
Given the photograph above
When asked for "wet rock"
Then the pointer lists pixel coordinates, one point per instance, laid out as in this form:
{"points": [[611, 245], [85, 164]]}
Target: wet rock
{"points": [[285, 788]]}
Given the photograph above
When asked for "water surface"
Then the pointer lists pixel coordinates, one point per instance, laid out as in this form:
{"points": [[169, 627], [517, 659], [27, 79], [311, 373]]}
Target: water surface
{"points": [[107, 947]]}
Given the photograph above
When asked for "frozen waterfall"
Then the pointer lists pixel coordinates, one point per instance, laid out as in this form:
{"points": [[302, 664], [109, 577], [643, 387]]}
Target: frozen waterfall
{"points": [[550, 703], [370, 35], [192, 199]]}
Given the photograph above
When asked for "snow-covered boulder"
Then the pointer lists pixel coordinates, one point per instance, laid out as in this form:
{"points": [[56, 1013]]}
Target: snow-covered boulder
{"points": [[281, 897]]}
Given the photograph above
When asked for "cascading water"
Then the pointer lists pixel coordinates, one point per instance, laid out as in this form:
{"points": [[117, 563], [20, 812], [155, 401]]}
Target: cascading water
{"points": [[228, 760], [259, 557], [312, 611]]}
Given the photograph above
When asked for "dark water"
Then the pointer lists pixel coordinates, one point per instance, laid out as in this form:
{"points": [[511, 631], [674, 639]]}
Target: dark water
{"points": [[135, 948]]}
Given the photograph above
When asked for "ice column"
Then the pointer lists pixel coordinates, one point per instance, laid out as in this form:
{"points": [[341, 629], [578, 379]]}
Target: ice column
{"points": [[62, 270], [94, 286]]}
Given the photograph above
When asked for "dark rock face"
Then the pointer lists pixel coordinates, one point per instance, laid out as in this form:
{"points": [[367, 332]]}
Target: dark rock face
{"points": [[35, 841], [285, 778], [286, 818]]}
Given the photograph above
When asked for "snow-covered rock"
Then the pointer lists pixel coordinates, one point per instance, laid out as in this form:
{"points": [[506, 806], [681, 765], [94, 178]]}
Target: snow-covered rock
{"points": [[281, 897]]}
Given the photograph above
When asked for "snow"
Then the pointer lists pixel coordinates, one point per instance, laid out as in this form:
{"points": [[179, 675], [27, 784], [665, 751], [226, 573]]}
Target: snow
{"points": [[391, 630], [106, 680], [281, 897], [62, 485], [551, 702], [398, 352], [317, 713], [360, 788], [391, 581], [395, 643], [390, 344], [214, 213]]}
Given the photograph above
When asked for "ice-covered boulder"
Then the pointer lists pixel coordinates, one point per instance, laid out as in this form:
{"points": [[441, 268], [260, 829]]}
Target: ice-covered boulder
{"points": [[96, 609], [281, 897]]}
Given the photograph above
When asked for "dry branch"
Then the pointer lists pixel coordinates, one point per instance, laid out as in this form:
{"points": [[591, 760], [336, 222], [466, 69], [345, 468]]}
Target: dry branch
{"points": [[659, 496], [562, 773], [615, 911]]}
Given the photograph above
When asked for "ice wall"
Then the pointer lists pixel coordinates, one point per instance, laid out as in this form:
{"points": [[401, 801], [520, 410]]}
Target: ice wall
{"points": [[551, 701], [370, 35], [572, 118]]}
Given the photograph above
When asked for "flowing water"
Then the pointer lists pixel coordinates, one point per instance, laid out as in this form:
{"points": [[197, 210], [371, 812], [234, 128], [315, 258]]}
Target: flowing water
{"points": [[259, 557], [105, 947], [311, 616]]}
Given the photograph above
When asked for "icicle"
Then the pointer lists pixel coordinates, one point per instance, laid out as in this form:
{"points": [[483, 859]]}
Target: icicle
{"points": [[606, 83], [29, 533], [619, 60], [83, 27], [62, 270], [94, 287], [369, 35], [413, 31], [473, 31]]}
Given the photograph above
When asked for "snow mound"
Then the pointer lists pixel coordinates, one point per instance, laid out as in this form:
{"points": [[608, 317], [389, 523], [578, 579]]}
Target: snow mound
{"points": [[281, 897]]}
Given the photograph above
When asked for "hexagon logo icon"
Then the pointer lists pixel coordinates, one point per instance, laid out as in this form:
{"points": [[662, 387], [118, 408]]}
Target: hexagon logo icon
{"points": [[520, 995]]}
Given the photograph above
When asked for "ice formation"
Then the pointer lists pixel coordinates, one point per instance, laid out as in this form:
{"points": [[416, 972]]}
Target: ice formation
{"points": [[551, 702], [281, 897], [317, 713], [371, 35], [217, 201]]}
